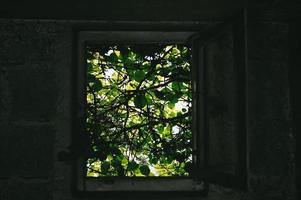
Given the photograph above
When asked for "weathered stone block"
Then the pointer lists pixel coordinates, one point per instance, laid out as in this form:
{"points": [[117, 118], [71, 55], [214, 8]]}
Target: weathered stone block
{"points": [[3, 189], [268, 41], [26, 150], [22, 190], [32, 92], [271, 187], [269, 127], [23, 42], [270, 143], [3, 93]]}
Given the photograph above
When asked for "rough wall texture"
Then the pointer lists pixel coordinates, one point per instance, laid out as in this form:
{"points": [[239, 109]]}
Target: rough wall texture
{"points": [[34, 109], [35, 112], [270, 137]]}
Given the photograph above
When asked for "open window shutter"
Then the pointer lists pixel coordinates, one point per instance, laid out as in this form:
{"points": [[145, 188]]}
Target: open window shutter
{"points": [[219, 105]]}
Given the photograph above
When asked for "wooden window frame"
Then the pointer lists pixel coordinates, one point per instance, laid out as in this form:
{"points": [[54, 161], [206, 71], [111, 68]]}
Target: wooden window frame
{"points": [[197, 184]]}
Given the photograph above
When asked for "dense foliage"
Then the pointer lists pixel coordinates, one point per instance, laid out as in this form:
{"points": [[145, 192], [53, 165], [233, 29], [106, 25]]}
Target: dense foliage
{"points": [[139, 110]]}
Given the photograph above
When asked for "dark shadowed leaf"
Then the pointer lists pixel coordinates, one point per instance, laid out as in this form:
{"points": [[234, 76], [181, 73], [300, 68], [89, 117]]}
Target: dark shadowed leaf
{"points": [[105, 166], [97, 85], [90, 67], [159, 94], [177, 86], [140, 101], [188, 167], [132, 166], [144, 169], [138, 75]]}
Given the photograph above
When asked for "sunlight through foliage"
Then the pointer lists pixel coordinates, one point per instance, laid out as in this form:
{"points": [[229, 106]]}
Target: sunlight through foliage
{"points": [[139, 110]]}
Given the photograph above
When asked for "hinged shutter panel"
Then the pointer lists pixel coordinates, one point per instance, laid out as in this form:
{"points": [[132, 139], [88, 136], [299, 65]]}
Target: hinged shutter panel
{"points": [[219, 104]]}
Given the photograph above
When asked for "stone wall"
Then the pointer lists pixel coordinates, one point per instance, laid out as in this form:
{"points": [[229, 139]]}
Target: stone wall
{"points": [[271, 143], [35, 112]]}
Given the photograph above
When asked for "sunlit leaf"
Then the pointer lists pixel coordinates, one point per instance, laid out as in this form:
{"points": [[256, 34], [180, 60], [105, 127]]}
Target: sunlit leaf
{"points": [[171, 105]]}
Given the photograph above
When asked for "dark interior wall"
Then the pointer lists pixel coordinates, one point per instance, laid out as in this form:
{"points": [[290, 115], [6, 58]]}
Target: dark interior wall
{"points": [[121, 10], [294, 77], [35, 110], [271, 143]]}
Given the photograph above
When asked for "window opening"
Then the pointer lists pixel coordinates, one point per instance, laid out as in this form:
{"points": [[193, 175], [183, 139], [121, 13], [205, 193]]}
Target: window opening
{"points": [[114, 73], [139, 110]]}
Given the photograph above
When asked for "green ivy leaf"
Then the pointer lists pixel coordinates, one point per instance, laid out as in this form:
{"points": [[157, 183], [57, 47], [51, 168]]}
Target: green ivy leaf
{"points": [[177, 86], [160, 129], [90, 67], [171, 105], [159, 94], [149, 99], [144, 169], [116, 162], [164, 71], [188, 167], [91, 78], [97, 86], [132, 165], [154, 160], [112, 58], [175, 51], [174, 99], [138, 75], [140, 101], [105, 166]]}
